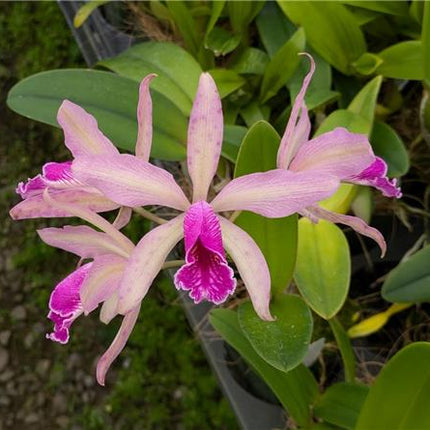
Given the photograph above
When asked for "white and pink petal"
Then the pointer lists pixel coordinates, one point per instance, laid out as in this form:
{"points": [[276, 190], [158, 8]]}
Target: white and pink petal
{"points": [[130, 181], [81, 240], [276, 193], [117, 344], [354, 222], [205, 134], [81, 133], [144, 119], [299, 125], [338, 152], [102, 281], [146, 261], [251, 265]]}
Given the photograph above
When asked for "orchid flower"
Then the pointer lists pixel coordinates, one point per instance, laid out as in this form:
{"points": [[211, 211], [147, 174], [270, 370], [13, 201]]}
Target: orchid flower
{"points": [[344, 155], [133, 182], [82, 137], [90, 284]]}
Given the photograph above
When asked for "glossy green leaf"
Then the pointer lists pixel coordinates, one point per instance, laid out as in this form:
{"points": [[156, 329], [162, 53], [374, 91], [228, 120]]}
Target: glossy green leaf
{"points": [[253, 113], [387, 144], [399, 7], [362, 205], [282, 66], [112, 99], [216, 10], [227, 81], [345, 348], [273, 27], [363, 16], [221, 42], [282, 343], [358, 117], [344, 118], [277, 238], [296, 389], [410, 280], [425, 37], [399, 398], [367, 63], [323, 266], [341, 404], [233, 136], [330, 29], [341, 200], [364, 102], [404, 60], [86, 10], [178, 72], [241, 13], [186, 25], [250, 61]]}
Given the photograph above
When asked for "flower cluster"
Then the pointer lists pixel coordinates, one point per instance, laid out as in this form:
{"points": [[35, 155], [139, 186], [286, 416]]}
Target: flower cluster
{"points": [[100, 179]]}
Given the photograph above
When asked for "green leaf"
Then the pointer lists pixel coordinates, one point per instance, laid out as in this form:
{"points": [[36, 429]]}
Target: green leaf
{"points": [[112, 99], [186, 25], [273, 27], [282, 66], [250, 61], [399, 398], [425, 37], [367, 63], [242, 13], [221, 42], [404, 60], [410, 280], [178, 72], [387, 144], [358, 118], [341, 404], [216, 10], [277, 238], [323, 266], [364, 102], [282, 343], [330, 29], [252, 113], [86, 10], [233, 136], [296, 390], [227, 81], [345, 348], [399, 7], [344, 118]]}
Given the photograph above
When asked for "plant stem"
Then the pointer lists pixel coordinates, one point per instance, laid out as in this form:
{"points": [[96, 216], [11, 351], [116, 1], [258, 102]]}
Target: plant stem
{"points": [[173, 263], [149, 215], [234, 215], [345, 347]]}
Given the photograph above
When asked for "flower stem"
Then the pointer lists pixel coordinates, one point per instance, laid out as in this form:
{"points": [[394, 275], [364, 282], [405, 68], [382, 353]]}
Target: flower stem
{"points": [[234, 215], [173, 263], [149, 215], [345, 347]]}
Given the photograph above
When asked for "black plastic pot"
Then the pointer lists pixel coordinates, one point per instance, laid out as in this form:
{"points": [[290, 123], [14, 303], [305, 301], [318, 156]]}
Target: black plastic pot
{"points": [[97, 39]]}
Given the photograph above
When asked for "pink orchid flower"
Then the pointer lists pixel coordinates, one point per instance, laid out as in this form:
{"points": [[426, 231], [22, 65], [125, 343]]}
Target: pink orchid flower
{"points": [[92, 283], [82, 137], [344, 155], [131, 181]]}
